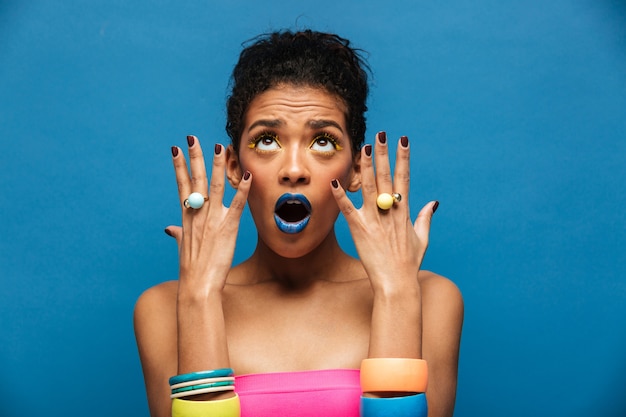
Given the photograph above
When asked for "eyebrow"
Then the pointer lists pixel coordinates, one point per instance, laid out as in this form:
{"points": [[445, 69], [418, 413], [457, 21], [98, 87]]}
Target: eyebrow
{"points": [[266, 123], [320, 124], [313, 124]]}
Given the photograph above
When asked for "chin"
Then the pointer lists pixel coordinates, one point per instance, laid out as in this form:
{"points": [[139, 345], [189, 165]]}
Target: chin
{"points": [[291, 246], [292, 250]]}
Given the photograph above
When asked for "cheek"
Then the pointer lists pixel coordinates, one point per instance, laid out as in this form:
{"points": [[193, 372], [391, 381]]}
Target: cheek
{"points": [[260, 188], [344, 176]]}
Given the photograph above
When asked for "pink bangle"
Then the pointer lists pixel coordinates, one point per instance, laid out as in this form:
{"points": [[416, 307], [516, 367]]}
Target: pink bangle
{"points": [[394, 374]]}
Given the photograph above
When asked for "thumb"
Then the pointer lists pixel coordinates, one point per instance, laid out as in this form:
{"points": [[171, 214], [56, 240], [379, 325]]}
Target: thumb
{"points": [[174, 231], [422, 223]]}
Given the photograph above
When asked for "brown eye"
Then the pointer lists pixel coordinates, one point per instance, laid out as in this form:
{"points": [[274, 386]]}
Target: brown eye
{"points": [[266, 142], [325, 143]]}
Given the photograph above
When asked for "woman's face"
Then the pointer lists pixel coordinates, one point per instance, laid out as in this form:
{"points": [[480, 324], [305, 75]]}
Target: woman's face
{"points": [[294, 142]]}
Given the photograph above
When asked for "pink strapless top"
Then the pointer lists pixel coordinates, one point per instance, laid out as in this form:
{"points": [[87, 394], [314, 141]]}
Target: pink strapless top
{"points": [[329, 393]]}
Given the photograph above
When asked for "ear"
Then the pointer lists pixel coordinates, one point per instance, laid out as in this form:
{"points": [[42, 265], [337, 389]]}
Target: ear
{"points": [[355, 181], [233, 167]]}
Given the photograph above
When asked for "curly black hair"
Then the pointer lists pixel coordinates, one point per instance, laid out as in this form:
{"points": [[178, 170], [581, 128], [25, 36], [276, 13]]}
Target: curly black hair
{"points": [[304, 58]]}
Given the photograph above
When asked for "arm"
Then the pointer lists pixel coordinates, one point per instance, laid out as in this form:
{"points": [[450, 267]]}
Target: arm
{"points": [[442, 304], [442, 320], [155, 332], [391, 250], [195, 319], [206, 250]]}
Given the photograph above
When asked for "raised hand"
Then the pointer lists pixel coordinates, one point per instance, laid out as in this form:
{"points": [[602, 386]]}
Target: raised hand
{"points": [[391, 250], [390, 247], [207, 239]]}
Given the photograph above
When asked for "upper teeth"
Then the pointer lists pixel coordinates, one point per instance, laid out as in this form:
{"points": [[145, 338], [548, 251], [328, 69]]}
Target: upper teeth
{"points": [[294, 202]]}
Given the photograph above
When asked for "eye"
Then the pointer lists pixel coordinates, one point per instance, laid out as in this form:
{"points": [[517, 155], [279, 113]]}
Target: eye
{"points": [[266, 141], [326, 143]]}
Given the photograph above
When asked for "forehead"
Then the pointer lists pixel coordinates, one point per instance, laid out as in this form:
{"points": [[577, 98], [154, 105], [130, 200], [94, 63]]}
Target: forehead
{"points": [[296, 104]]}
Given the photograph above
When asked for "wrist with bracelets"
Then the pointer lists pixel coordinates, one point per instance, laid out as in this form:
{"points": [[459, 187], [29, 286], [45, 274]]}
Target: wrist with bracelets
{"points": [[195, 383], [407, 378]]}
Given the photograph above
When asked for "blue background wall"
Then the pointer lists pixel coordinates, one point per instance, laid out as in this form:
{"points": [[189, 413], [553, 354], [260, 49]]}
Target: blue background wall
{"points": [[516, 111]]}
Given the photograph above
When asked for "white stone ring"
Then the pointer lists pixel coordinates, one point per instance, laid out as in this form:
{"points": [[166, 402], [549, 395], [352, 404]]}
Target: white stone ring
{"points": [[195, 201]]}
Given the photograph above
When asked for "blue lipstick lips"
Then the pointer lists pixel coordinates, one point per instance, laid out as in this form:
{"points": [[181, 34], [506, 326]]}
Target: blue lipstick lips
{"points": [[292, 213]]}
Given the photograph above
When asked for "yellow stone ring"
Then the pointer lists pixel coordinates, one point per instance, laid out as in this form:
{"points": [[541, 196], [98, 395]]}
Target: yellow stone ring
{"points": [[385, 201]]}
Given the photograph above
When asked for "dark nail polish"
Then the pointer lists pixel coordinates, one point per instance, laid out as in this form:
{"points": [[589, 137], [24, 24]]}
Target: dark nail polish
{"points": [[435, 206], [404, 141], [335, 183], [174, 151], [167, 232], [382, 137], [190, 140], [218, 149], [368, 150], [246, 175]]}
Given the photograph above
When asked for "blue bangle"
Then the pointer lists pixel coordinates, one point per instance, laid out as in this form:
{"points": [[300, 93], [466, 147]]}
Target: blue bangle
{"points": [[217, 373], [408, 406], [202, 386]]}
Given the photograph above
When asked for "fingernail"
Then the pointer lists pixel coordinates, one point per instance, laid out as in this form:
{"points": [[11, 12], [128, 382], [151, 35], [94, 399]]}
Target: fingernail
{"points": [[382, 137], [435, 206], [246, 175], [335, 183], [218, 149], [167, 232], [174, 151], [368, 150], [404, 141], [190, 140]]}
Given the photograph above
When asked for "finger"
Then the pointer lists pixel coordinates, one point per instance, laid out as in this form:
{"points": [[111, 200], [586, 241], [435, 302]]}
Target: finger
{"points": [[343, 202], [423, 221], [183, 181], [216, 192], [196, 165], [176, 232], [239, 200], [383, 170], [402, 171], [368, 178]]}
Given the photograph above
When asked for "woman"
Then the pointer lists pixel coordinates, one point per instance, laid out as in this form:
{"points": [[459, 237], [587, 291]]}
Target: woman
{"points": [[299, 316]]}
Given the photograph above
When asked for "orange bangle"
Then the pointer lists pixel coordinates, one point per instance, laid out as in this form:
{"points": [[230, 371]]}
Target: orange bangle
{"points": [[394, 374]]}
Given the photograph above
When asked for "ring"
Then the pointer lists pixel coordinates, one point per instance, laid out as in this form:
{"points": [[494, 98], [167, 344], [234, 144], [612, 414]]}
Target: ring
{"points": [[195, 201], [384, 201]]}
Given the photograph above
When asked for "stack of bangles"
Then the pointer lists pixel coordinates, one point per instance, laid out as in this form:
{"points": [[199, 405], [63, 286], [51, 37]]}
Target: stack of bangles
{"points": [[195, 383], [394, 387]]}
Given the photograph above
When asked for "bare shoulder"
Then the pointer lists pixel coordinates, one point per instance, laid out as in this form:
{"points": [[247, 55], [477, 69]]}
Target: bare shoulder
{"points": [[159, 299], [439, 289]]}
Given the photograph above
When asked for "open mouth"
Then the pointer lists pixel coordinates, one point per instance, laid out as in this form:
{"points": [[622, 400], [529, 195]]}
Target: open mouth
{"points": [[292, 213]]}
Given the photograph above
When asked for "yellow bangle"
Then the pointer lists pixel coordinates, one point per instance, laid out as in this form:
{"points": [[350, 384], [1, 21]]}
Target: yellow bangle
{"points": [[394, 374], [222, 408]]}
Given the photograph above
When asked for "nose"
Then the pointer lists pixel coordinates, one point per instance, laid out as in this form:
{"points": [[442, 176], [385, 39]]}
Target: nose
{"points": [[294, 169]]}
